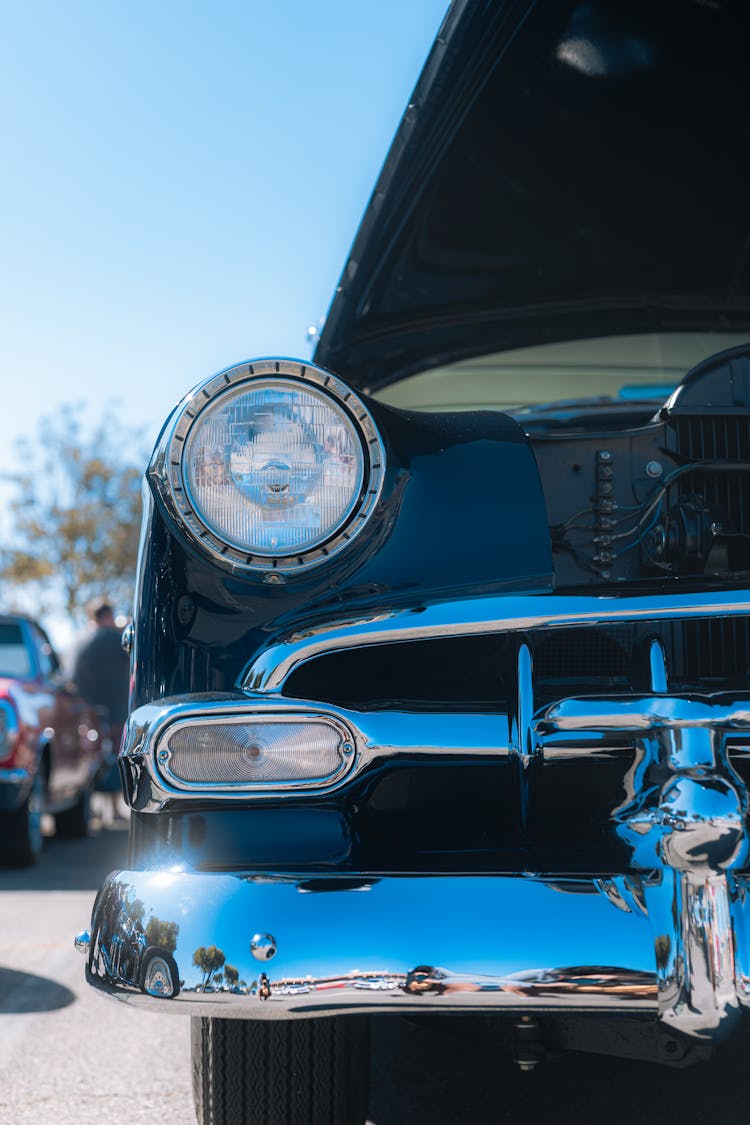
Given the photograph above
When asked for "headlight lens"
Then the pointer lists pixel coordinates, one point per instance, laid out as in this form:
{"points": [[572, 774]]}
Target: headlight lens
{"points": [[274, 465]]}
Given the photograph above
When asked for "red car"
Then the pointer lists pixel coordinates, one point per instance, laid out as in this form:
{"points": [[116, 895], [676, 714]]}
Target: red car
{"points": [[50, 744]]}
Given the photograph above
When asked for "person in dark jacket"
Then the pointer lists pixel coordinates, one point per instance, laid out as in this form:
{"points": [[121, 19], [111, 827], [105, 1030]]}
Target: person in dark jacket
{"points": [[101, 667], [101, 673]]}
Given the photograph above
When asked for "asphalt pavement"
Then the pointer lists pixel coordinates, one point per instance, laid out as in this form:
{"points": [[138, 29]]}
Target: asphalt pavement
{"points": [[71, 1057]]}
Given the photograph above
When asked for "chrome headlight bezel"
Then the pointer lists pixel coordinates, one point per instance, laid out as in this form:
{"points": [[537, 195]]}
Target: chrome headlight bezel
{"points": [[177, 492]]}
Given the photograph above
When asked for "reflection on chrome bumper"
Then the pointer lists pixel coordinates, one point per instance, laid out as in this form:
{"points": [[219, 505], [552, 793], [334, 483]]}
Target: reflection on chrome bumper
{"points": [[313, 947], [278, 947]]}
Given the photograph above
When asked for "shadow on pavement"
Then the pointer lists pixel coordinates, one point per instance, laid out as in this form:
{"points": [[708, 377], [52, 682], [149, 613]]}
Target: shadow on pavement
{"points": [[25, 992], [72, 865]]}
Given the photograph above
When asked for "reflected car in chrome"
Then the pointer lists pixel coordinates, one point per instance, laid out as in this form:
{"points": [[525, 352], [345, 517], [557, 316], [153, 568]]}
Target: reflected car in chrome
{"points": [[441, 701]]}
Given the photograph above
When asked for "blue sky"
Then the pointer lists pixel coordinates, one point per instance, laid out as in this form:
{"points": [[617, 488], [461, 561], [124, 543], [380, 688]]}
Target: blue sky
{"points": [[181, 183]]}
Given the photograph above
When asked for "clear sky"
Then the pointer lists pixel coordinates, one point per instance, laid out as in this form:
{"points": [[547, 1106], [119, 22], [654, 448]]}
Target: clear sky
{"points": [[180, 184]]}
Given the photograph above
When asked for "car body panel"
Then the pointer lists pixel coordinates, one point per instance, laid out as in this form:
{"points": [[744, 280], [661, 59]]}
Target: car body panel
{"points": [[57, 730], [563, 170]]}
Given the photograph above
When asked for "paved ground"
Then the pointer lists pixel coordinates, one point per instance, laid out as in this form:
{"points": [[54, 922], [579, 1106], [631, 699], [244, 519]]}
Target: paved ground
{"points": [[69, 1057]]}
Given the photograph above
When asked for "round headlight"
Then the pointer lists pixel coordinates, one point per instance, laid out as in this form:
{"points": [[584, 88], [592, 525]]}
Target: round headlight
{"points": [[275, 465]]}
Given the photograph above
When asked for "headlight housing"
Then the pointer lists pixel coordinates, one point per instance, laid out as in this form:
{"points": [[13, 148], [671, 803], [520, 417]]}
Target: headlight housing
{"points": [[274, 465]]}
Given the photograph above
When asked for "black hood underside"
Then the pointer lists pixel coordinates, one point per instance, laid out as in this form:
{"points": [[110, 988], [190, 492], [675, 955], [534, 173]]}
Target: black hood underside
{"points": [[564, 170]]}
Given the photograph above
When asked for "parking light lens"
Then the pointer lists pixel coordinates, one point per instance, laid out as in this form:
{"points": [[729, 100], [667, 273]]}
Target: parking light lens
{"points": [[221, 753]]}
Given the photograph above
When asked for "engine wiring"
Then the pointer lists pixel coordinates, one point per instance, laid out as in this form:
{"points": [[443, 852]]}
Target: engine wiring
{"points": [[640, 513]]}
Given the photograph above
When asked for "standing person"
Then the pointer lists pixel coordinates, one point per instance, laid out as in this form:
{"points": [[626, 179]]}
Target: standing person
{"points": [[101, 673]]}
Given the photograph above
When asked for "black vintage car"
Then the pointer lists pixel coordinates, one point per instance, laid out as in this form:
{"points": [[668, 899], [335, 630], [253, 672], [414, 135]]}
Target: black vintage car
{"points": [[441, 647]]}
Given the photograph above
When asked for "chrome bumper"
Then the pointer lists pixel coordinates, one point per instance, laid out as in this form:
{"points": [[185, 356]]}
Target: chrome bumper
{"points": [[314, 947], [669, 940], [293, 948]]}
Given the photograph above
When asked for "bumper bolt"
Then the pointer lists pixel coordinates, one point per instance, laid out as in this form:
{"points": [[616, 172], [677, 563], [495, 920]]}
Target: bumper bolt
{"points": [[263, 946], [82, 942], [528, 1044]]}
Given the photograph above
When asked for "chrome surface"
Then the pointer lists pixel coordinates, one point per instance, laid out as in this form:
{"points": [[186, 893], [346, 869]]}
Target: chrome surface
{"points": [[368, 735], [524, 746], [82, 942], [521, 944], [270, 669], [127, 638], [263, 947], [678, 920], [166, 469], [522, 741], [157, 978], [657, 666], [694, 944], [684, 820]]}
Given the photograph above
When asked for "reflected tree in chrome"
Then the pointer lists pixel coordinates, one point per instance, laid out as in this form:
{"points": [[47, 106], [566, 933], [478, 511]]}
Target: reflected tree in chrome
{"points": [[162, 934], [209, 959]]}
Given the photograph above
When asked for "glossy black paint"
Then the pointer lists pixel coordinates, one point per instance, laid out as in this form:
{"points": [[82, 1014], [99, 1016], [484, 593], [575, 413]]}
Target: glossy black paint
{"points": [[462, 511], [406, 814], [564, 169]]}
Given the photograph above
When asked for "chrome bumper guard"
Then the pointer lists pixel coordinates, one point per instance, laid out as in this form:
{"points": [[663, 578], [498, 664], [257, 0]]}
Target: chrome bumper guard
{"points": [[669, 939], [314, 947], [272, 948]]}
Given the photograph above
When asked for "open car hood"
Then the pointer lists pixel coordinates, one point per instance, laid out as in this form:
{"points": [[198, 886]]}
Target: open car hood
{"points": [[564, 170]]}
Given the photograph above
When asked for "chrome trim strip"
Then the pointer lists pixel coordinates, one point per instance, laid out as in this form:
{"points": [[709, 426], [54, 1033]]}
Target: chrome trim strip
{"points": [[271, 668], [522, 734], [374, 734], [657, 666], [391, 944]]}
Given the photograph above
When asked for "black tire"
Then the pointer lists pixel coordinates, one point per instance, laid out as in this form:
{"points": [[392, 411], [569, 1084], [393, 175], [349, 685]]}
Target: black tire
{"points": [[24, 827], [73, 823], [169, 973], [290, 1072]]}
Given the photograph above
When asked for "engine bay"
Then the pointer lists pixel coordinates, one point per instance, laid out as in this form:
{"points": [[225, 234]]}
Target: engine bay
{"points": [[637, 490]]}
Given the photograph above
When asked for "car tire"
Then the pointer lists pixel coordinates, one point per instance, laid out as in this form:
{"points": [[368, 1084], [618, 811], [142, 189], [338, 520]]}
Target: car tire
{"points": [[73, 823], [25, 826], [159, 966], [286, 1072]]}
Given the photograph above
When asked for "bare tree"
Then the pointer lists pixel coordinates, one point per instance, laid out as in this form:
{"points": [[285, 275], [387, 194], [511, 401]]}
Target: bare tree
{"points": [[75, 511]]}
